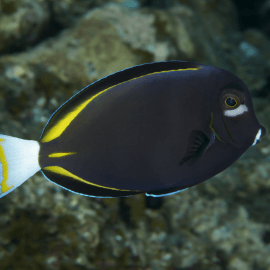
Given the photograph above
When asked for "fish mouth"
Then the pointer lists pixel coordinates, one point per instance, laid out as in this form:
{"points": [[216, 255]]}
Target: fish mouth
{"points": [[260, 134], [257, 137]]}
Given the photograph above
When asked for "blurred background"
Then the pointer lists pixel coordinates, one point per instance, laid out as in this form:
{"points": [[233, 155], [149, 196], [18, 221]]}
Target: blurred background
{"points": [[49, 50]]}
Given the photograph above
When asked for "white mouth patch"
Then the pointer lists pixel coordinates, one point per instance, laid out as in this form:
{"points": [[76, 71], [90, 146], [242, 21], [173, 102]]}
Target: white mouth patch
{"points": [[258, 136], [240, 110]]}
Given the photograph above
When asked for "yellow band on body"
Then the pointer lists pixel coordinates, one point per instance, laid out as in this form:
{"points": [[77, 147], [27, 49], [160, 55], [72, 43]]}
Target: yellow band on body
{"points": [[56, 155], [62, 171]]}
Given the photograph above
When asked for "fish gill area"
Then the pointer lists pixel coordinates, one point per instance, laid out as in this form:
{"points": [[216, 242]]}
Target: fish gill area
{"points": [[49, 50]]}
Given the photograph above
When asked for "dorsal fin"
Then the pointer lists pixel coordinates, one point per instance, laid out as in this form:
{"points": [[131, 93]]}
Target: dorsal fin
{"points": [[80, 100]]}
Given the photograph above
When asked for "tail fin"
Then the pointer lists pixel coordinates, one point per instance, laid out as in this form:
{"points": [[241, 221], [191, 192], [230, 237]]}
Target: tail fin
{"points": [[18, 162]]}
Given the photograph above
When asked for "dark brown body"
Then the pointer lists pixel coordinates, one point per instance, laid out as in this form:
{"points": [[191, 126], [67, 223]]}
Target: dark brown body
{"points": [[133, 136]]}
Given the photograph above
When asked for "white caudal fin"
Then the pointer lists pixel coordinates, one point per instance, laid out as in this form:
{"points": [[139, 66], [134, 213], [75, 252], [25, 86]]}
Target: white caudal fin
{"points": [[18, 162]]}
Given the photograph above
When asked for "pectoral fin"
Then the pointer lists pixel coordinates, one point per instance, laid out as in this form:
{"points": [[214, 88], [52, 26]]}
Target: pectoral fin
{"points": [[197, 145]]}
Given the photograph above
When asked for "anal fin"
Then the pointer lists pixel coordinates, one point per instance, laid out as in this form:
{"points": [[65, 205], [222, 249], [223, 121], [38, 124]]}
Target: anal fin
{"points": [[165, 192], [75, 184]]}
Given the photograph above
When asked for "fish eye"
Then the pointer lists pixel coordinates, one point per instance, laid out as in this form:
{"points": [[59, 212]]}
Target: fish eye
{"points": [[231, 101]]}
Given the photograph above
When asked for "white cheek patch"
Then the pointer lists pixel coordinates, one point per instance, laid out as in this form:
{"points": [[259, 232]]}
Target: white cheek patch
{"points": [[240, 110]]}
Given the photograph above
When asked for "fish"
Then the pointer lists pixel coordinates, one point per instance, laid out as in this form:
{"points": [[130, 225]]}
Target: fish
{"points": [[157, 128]]}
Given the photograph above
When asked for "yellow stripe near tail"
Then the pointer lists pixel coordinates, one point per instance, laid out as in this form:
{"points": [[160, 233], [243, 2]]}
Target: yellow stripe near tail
{"points": [[56, 155]]}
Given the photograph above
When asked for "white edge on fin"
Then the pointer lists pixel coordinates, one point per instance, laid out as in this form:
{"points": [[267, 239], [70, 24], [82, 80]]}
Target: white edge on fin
{"points": [[167, 194]]}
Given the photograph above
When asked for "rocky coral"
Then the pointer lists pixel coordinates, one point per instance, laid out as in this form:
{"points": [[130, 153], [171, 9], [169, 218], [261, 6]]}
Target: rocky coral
{"points": [[22, 22]]}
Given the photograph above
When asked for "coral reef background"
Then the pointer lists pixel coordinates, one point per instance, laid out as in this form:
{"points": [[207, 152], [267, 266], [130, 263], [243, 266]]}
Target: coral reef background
{"points": [[49, 50]]}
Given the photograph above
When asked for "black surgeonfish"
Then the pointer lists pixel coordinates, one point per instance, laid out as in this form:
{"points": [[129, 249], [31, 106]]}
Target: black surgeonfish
{"points": [[157, 129]]}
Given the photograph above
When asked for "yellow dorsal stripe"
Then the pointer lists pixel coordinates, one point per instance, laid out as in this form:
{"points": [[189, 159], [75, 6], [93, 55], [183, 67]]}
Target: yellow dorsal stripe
{"points": [[4, 187], [60, 127], [56, 155], [62, 171]]}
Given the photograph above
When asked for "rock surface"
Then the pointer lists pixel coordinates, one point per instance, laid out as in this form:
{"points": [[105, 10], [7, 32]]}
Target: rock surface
{"points": [[223, 223]]}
